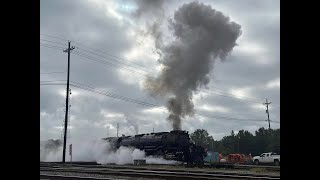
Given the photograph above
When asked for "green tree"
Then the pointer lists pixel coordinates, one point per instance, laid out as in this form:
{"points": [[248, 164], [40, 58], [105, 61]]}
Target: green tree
{"points": [[245, 141], [274, 144], [267, 140], [229, 143], [201, 137]]}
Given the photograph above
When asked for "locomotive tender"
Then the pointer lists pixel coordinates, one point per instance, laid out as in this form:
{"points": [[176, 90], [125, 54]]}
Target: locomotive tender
{"points": [[173, 145]]}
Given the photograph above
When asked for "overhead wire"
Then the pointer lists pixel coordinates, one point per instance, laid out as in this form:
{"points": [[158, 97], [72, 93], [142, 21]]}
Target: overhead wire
{"points": [[136, 72], [131, 100], [53, 73], [231, 95]]}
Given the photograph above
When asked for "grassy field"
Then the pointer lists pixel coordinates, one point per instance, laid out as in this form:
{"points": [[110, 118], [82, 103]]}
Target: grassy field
{"points": [[208, 169]]}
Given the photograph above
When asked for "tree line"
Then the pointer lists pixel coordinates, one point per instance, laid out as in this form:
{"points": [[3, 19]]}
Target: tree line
{"points": [[244, 142]]}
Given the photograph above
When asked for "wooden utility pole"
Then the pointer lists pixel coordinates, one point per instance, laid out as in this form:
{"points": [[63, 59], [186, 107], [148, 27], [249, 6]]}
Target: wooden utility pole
{"points": [[67, 105], [267, 111]]}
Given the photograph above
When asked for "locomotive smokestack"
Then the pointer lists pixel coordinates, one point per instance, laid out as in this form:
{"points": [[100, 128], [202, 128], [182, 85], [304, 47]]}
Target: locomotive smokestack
{"points": [[202, 35]]}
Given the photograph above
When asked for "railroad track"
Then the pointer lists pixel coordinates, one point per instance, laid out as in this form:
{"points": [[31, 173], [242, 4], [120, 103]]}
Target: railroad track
{"points": [[222, 165], [61, 177], [231, 166], [241, 166], [150, 173]]}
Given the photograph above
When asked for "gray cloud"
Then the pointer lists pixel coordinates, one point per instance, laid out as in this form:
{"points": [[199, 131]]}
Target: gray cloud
{"points": [[92, 24]]}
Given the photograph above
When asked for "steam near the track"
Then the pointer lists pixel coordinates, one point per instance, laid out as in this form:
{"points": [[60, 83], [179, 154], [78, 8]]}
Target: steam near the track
{"points": [[99, 151]]}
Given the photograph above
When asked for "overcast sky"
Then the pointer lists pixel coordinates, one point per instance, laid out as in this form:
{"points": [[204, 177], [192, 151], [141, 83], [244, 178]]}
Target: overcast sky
{"points": [[238, 86]]}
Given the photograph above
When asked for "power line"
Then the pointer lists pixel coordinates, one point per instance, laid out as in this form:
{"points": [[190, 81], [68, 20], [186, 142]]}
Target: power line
{"points": [[229, 95], [51, 46], [51, 81], [124, 63], [113, 55], [94, 90], [53, 73], [54, 37], [132, 71], [148, 104], [112, 95], [52, 84], [52, 41], [116, 96], [96, 50], [242, 97], [274, 121], [136, 72], [232, 96], [107, 63], [98, 60], [228, 118], [224, 94]]}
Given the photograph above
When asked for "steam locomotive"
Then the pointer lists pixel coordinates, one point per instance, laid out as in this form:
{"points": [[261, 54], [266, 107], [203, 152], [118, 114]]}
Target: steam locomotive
{"points": [[173, 145]]}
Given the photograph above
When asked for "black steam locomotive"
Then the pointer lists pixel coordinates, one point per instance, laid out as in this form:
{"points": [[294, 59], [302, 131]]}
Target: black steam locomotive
{"points": [[173, 145]]}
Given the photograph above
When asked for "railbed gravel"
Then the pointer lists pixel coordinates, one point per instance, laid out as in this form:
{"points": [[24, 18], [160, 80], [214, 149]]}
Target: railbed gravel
{"points": [[95, 175]]}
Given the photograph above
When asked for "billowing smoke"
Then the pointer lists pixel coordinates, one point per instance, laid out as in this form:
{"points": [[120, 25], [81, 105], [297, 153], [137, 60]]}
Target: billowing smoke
{"points": [[153, 7], [201, 35], [153, 14], [99, 151]]}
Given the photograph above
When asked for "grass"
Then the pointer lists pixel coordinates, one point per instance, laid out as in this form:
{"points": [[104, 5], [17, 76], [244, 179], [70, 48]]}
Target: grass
{"points": [[259, 170], [253, 170]]}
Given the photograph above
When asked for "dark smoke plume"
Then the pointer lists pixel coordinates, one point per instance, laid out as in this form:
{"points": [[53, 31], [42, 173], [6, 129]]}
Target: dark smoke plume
{"points": [[201, 35], [149, 7], [152, 12]]}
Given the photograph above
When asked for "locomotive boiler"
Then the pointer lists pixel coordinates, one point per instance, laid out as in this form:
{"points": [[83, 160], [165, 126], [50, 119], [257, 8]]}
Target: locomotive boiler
{"points": [[173, 145]]}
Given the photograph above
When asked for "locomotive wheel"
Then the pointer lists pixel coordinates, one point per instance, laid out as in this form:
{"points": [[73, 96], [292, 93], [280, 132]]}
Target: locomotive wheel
{"points": [[198, 161], [159, 153]]}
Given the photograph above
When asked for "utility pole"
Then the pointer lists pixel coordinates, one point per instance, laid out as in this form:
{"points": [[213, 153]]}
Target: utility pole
{"points": [[153, 130], [239, 145], [67, 105], [267, 111], [117, 129]]}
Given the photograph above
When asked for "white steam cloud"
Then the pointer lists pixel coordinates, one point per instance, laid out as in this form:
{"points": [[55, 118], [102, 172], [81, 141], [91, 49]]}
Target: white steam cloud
{"points": [[101, 152]]}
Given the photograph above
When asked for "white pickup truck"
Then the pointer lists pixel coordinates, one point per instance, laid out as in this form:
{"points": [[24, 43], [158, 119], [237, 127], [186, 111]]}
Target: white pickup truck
{"points": [[267, 158]]}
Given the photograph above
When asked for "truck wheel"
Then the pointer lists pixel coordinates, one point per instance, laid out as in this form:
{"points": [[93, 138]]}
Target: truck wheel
{"points": [[256, 162], [276, 162]]}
